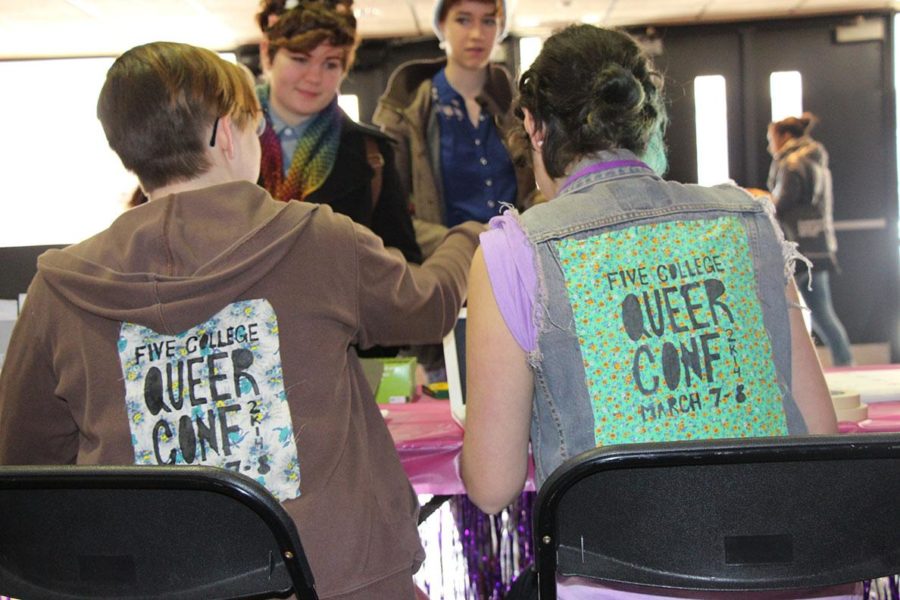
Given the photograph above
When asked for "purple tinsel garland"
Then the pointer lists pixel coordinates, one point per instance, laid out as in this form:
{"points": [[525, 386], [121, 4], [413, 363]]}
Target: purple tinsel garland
{"points": [[883, 588], [496, 547]]}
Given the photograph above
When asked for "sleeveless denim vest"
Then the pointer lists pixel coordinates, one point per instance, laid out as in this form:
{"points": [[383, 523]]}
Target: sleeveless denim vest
{"points": [[660, 314]]}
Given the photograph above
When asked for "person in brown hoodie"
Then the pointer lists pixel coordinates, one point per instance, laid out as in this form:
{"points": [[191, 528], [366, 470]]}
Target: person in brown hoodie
{"points": [[214, 325]]}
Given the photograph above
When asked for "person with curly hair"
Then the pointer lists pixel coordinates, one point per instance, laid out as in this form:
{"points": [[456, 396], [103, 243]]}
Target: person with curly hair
{"points": [[312, 151], [626, 308]]}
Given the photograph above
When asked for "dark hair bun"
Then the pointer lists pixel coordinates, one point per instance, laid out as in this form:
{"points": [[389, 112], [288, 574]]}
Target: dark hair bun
{"points": [[616, 91], [592, 89]]}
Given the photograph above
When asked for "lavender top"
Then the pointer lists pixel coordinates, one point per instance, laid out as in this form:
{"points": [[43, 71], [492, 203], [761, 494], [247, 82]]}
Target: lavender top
{"points": [[510, 265]]}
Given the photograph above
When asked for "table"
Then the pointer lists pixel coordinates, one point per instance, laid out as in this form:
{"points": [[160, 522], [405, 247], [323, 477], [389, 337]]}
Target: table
{"points": [[468, 554], [878, 387], [429, 441]]}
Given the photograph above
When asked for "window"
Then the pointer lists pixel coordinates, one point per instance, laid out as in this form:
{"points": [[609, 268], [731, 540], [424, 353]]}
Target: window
{"points": [[349, 103], [897, 103], [786, 91], [711, 118], [529, 48], [61, 182]]}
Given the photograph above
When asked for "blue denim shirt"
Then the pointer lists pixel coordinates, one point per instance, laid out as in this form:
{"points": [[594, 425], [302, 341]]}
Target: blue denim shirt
{"points": [[660, 314], [478, 174]]}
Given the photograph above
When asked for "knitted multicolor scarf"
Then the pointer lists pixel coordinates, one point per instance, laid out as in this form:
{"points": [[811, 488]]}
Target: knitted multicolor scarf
{"points": [[313, 159]]}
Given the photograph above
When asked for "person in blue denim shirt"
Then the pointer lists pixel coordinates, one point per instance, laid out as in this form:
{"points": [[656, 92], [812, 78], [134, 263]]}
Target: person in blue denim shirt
{"points": [[627, 308], [450, 118]]}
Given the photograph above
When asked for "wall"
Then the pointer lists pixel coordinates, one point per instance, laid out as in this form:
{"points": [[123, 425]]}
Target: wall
{"points": [[850, 87], [375, 61]]}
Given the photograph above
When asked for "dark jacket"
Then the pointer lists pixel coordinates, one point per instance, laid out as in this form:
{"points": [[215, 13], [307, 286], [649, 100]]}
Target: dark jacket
{"points": [[348, 189], [800, 182]]}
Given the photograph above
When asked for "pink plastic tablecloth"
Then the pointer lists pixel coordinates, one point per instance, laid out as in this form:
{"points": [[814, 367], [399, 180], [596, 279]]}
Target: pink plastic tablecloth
{"points": [[878, 388], [884, 417], [429, 441]]}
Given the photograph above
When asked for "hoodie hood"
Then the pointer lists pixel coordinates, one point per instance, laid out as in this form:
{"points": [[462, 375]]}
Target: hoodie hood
{"points": [[176, 261]]}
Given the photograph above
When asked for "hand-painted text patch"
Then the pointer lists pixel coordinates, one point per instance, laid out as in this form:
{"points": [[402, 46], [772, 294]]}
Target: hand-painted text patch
{"points": [[213, 395], [671, 333]]}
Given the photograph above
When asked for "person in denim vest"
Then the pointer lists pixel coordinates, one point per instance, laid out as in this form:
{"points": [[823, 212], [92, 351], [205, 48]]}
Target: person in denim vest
{"points": [[627, 308]]}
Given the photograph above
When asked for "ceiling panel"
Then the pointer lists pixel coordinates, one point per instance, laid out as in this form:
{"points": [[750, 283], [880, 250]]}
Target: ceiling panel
{"points": [[383, 18], [40, 28], [657, 11]]}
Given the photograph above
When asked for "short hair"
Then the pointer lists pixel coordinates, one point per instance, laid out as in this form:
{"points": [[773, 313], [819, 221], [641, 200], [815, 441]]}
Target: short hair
{"points": [[308, 24], [159, 102], [592, 89], [796, 126]]}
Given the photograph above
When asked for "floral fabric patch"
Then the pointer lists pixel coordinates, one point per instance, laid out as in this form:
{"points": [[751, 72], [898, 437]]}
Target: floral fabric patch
{"points": [[671, 333], [213, 395]]}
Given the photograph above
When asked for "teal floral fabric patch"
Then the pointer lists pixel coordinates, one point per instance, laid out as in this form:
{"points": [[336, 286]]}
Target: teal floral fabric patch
{"points": [[671, 333]]}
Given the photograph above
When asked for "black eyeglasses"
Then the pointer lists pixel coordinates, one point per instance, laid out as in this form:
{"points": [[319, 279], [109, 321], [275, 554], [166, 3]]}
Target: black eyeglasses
{"points": [[212, 140], [260, 129]]}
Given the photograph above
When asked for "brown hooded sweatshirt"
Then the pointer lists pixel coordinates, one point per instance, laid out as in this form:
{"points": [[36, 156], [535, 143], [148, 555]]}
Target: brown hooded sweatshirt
{"points": [[217, 327]]}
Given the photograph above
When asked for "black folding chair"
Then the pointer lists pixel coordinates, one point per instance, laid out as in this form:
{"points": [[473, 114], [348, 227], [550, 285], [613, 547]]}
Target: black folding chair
{"points": [[145, 532], [729, 515]]}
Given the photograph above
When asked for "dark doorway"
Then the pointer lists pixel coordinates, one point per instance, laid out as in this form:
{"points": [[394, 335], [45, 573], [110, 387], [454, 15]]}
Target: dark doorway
{"points": [[849, 86]]}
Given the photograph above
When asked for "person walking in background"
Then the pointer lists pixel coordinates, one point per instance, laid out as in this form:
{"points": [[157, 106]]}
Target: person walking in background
{"points": [[800, 183], [627, 308], [311, 150], [451, 117]]}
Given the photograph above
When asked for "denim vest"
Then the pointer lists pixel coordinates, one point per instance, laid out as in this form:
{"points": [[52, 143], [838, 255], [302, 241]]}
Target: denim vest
{"points": [[660, 314]]}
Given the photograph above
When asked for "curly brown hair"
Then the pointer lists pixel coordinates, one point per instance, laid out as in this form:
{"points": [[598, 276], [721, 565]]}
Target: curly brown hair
{"points": [[303, 26], [592, 89]]}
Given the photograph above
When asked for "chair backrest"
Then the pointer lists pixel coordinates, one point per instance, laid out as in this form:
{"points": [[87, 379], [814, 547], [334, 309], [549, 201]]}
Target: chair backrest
{"points": [[145, 532], [728, 515]]}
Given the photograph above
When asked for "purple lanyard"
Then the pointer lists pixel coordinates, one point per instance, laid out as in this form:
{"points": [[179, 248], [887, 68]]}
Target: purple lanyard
{"points": [[597, 168]]}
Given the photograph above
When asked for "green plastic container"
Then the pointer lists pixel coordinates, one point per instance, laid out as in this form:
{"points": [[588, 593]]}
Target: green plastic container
{"points": [[398, 380]]}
